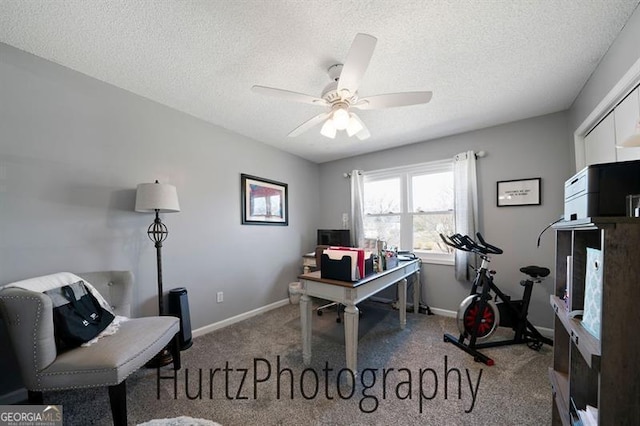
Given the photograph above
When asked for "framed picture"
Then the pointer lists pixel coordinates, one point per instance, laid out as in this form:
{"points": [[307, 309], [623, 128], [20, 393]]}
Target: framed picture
{"points": [[264, 201], [520, 192]]}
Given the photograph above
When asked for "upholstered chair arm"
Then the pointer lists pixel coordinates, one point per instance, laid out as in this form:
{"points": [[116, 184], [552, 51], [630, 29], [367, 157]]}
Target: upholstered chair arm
{"points": [[28, 316]]}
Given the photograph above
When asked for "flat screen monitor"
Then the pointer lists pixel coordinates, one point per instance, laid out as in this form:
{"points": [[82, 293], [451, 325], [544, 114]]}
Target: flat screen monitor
{"points": [[334, 237]]}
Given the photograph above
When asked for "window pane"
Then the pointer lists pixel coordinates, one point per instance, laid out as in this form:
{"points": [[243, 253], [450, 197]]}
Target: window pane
{"points": [[382, 196], [432, 192], [385, 228], [426, 230]]}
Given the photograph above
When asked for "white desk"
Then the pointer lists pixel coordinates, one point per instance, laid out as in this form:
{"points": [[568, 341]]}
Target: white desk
{"points": [[349, 294]]}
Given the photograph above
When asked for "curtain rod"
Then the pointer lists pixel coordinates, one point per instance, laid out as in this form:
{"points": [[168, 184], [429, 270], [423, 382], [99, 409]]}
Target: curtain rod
{"points": [[479, 154]]}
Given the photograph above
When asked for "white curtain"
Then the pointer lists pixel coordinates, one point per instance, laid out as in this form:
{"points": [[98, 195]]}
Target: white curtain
{"points": [[465, 184], [357, 209]]}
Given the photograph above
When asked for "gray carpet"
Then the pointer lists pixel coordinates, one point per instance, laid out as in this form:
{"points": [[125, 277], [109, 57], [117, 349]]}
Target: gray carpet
{"points": [[514, 391]]}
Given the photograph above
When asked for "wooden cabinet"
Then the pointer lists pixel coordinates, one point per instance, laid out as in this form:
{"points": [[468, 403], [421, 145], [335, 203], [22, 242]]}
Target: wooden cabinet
{"points": [[600, 143], [626, 116], [605, 372]]}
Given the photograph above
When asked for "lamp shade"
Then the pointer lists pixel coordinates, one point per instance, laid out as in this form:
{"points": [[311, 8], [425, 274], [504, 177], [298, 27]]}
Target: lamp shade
{"points": [[157, 196]]}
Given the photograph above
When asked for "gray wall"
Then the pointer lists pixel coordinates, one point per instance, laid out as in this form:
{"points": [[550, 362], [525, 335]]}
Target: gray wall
{"points": [[73, 149], [536, 147]]}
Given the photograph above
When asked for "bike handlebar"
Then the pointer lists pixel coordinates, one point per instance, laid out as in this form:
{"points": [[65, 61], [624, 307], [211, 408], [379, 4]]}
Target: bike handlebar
{"points": [[466, 243], [492, 248]]}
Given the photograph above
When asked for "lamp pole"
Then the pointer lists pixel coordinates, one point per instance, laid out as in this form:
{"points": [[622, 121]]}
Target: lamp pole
{"points": [[158, 232]]}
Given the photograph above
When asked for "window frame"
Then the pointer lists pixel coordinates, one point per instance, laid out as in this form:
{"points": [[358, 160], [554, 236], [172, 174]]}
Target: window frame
{"points": [[406, 174]]}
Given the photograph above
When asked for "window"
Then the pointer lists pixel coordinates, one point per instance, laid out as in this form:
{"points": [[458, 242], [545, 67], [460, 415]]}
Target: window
{"points": [[409, 207]]}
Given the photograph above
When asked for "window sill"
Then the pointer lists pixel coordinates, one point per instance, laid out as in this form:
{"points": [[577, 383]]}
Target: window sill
{"points": [[436, 260]]}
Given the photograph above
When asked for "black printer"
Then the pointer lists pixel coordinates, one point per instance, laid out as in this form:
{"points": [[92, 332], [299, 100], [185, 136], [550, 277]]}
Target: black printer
{"points": [[601, 190]]}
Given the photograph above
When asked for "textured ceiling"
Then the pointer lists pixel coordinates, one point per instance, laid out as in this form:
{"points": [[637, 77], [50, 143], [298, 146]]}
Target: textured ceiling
{"points": [[487, 61]]}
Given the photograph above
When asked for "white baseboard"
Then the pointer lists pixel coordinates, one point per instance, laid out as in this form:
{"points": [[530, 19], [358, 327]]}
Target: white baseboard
{"points": [[443, 312], [18, 395], [227, 322], [546, 332]]}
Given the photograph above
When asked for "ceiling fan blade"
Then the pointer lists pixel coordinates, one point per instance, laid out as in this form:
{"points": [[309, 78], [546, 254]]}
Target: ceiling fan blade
{"points": [[363, 133], [309, 124], [390, 100], [289, 95], [356, 62]]}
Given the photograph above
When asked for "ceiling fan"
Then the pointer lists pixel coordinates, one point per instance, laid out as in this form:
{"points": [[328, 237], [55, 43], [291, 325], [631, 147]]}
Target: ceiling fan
{"points": [[341, 95]]}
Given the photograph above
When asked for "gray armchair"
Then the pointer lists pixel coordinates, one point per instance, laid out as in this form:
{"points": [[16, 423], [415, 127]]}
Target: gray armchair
{"points": [[28, 315]]}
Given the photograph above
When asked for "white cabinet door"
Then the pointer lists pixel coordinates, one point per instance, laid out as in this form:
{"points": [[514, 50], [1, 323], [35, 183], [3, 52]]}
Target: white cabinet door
{"points": [[600, 144], [626, 115]]}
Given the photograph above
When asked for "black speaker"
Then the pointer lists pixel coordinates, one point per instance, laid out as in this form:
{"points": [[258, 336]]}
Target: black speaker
{"points": [[179, 307]]}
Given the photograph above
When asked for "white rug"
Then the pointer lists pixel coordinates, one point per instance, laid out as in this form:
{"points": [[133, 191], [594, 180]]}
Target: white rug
{"points": [[180, 421]]}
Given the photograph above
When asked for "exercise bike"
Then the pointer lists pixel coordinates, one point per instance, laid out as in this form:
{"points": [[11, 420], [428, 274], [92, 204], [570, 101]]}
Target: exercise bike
{"points": [[480, 314]]}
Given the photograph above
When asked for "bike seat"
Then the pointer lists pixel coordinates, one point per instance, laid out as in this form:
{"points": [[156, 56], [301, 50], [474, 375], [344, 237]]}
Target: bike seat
{"points": [[535, 271]]}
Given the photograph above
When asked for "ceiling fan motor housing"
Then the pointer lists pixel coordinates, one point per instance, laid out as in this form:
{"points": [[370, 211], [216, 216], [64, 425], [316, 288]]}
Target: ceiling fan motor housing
{"points": [[330, 92]]}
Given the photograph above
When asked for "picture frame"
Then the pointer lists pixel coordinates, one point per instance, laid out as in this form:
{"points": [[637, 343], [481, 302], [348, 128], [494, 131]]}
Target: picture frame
{"points": [[264, 201], [519, 192]]}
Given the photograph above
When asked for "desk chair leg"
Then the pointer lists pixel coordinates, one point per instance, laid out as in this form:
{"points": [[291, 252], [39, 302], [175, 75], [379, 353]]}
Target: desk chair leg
{"points": [[35, 397], [118, 401], [338, 306]]}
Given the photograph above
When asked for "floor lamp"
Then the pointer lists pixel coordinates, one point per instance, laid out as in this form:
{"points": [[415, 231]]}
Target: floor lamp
{"points": [[158, 198]]}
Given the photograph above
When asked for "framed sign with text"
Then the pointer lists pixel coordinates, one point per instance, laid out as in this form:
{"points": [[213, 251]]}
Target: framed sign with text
{"points": [[519, 192]]}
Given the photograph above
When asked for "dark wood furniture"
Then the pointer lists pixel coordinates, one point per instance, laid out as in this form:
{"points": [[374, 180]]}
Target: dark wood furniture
{"points": [[605, 372]]}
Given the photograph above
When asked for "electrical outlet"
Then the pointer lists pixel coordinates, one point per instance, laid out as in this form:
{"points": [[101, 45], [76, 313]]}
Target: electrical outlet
{"points": [[220, 297]]}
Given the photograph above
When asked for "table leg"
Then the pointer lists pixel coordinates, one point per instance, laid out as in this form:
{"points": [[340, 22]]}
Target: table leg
{"points": [[351, 316], [416, 292], [305, 321], [402, 295]]}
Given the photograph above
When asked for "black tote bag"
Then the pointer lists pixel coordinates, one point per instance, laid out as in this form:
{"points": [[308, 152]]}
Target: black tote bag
{"points": [[79, 320]]}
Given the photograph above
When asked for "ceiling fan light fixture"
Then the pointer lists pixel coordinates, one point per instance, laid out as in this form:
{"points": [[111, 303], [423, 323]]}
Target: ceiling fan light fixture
{"points": [[340, 118], [354, 126], [328, 129]]}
